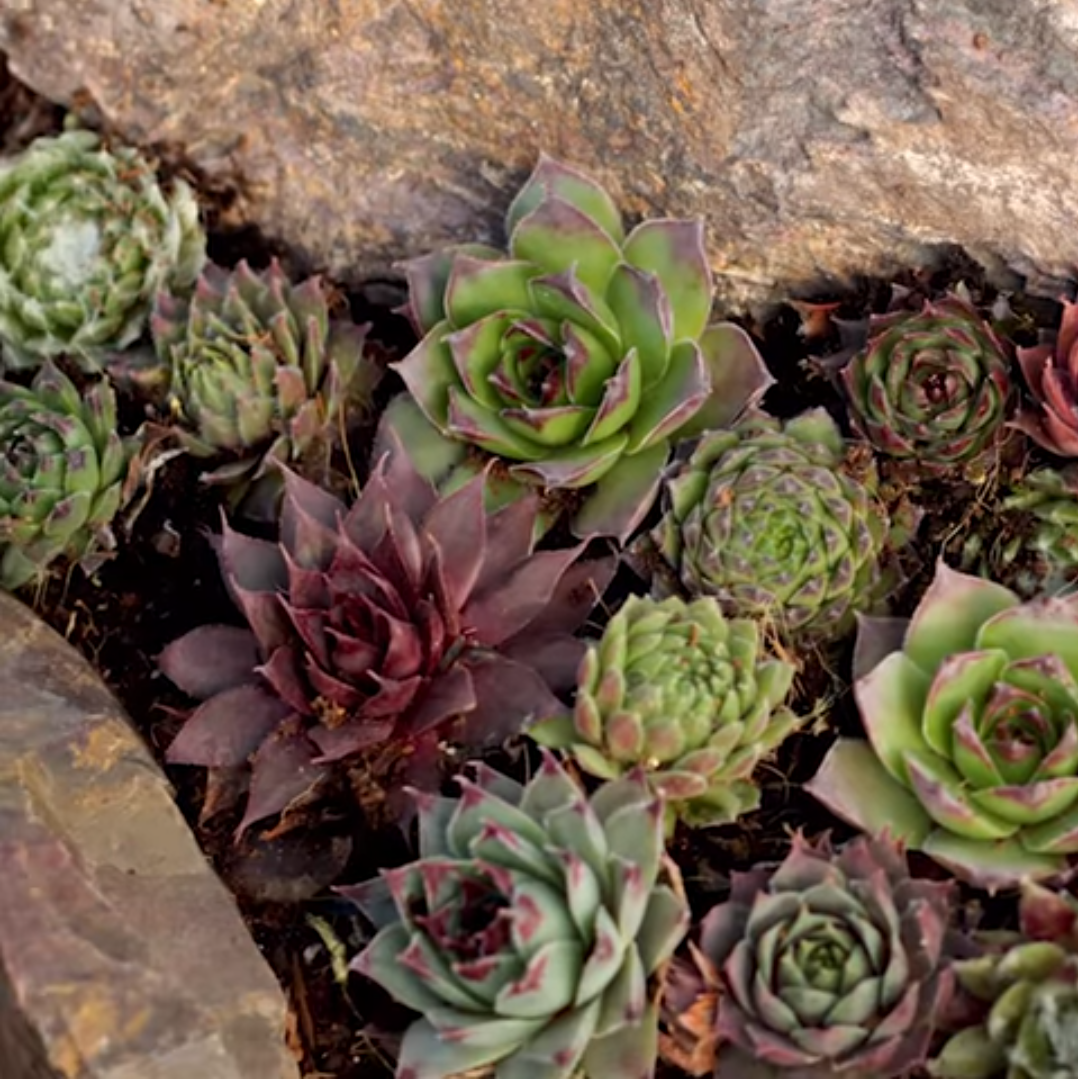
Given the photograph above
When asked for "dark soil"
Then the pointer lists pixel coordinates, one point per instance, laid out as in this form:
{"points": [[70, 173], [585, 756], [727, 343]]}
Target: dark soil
{"points": [[164, 581]]}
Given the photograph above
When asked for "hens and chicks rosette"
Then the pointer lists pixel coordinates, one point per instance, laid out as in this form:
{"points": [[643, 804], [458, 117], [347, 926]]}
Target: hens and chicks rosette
{"points": [[971, 712], [407, 618], [580, 355]]}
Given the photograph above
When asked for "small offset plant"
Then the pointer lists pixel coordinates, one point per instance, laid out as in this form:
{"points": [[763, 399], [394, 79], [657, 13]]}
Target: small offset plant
{"points": [[971, 712], [832, 964], [528, 930], [577, 358], [1051, 373], [932, 386], [90, 237], [409, 616], [1024, 991], [1036, 550], [763, 517], [684, 693], [259, 371], [62, 474]]}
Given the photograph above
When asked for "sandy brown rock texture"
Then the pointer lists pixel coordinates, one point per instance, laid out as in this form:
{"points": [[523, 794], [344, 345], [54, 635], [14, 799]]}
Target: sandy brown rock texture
{"points": [[818, 137], [122, 956]]}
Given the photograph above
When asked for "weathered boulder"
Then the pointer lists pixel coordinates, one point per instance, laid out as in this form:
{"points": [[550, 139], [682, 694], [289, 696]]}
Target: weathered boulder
{"points": [[122, 956], [817, 137]]}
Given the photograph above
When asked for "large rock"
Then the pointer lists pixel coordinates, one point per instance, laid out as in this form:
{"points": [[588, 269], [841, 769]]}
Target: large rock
{"points": [[817, 136], [121, 954]]}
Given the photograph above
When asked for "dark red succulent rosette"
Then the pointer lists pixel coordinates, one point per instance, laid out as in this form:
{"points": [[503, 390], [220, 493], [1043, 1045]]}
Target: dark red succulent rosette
{"points": [[932, 385], [1051, 372], [407, 619]]}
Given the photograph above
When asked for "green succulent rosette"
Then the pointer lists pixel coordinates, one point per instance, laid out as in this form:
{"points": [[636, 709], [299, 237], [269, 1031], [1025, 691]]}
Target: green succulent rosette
{"points": [[971, 713], [528, 930], [763, 517], [1025, 987], [61, 475], [685, 693], [87, 238], [259, 370], [932, 386], [577, 357]]}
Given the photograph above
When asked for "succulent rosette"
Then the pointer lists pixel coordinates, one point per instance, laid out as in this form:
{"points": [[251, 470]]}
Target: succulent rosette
{"points": [[89, 238], [580, 355], [61, 476], [831, 964], [527, 931], [403, 620], [971, 712], [259, 370], [1025, 987], [763, 517], [931, 386], [1051, 373], [1039, 547], [685, 693]]}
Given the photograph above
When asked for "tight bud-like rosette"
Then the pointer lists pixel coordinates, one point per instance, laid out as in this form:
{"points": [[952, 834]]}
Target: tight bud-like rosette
{"points": [[89, 238], [404, 620], [1051, 373], [1026, 986], [528, 930], [763, 517], [577, 357], [685, 693], [930, 386], [829, 965], [260, 370], [61, 475], [971, 711]]}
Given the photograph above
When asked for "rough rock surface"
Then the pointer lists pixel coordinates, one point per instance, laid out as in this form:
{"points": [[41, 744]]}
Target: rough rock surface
{"points": [[817, 137], [121, 954]]}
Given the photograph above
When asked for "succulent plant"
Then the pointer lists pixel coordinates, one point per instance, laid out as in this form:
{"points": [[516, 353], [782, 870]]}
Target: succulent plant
{"points": [[62, 474], [1034, 541], [89, 238], [763, 517], [830, 964], [1051, 373], [260, 370], [1026, 984], [931, 386], [971, 712], [408, 616], [528, 929], [579, 356], [685, 693]]}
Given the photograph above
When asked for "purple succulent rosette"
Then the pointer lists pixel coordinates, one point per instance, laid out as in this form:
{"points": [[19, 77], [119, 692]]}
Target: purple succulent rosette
{"points": [[409, 616], [829, 965], [580, 355], [971, 712], [529, 929], [932, 386], [1051, 372]]}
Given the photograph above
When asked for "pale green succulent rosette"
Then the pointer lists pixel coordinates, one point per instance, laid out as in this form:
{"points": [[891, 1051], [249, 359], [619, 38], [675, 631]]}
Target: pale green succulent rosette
{"points": [[685, 693], [528, 930], [763, 517], [577, 358], [61, 476], [971, 712], [258, 369], [87, 238], [1027, 985]]}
